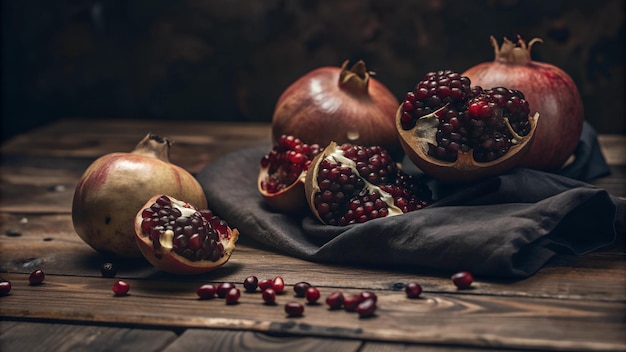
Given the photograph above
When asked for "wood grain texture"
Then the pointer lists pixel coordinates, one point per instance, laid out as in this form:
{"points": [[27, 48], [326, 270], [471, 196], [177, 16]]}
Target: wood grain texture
{"points": [[438, 318], [68, 337], [209, 340]]}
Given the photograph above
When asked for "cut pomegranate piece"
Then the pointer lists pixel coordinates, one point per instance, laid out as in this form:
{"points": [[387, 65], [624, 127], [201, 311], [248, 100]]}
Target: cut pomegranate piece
{"points": [[283, 169], [178, 238], [351, 184]]}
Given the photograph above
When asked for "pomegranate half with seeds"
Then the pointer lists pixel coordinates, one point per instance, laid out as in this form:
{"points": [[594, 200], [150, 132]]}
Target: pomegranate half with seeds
{"points": [[459, 133], [282, 173], [348, 184], [178, 238]]}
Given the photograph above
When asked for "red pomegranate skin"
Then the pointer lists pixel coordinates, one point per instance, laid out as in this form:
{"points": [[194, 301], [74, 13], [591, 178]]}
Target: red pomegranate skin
{"points": [[549, 91], [319, 108]]}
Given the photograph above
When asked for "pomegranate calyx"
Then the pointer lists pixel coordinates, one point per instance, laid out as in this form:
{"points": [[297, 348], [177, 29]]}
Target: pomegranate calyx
{"points": [[511, 53], [356, 79], [154, 146]]}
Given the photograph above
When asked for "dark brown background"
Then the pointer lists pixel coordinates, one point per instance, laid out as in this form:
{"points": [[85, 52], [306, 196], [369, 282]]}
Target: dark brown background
{"points": [[231, 59]]}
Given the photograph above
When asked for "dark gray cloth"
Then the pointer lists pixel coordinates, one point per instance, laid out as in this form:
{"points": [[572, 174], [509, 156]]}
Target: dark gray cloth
{"points": [[508, 226]]}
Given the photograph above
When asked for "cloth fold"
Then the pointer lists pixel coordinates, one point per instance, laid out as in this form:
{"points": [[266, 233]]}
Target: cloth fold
{"points": [[507, 226]]}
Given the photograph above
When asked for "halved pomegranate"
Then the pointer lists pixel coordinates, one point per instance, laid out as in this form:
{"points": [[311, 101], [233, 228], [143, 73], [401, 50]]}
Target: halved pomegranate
{"points": [[457, 133], [282, 173], [178, 238], [348, 184]]}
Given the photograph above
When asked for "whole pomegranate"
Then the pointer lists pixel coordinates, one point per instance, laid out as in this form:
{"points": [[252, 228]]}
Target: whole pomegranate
{"points": [[282, 173], [178, 238], [549, 91], [348, 184], [458, 133], [116, 185], [338, 104]]}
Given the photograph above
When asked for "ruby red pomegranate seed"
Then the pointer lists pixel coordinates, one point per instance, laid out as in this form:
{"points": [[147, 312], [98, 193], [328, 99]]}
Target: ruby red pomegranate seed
{"points": [[366, 308], [206, 291], [367, 295], [36, 277], [294, 309], [278, 284], [223, 288], [232, 296], [266, 283], [413, 290], [251, 283], [120, 288], [5, 287], [463, 279], [335, 300], [269, 295], [312, 295], [350, 302], [300, 288]]}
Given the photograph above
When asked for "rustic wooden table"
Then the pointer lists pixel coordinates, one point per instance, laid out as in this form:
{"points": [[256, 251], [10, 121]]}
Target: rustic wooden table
{"points": [[574, 303]]}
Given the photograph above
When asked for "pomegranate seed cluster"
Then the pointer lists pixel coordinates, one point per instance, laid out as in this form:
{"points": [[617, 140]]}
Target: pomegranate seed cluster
{"points": [[195, 235], [470, 118], [346, 197], [286, 161]]}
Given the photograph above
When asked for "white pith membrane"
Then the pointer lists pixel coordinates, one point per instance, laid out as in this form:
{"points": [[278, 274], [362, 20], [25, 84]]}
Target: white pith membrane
{"points": [[335, 154]]}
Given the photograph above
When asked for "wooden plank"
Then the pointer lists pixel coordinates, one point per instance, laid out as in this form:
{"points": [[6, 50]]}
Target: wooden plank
{"points": [[50, 243], [459, 319], [67, 337], [614, 148], [195, 143], [207, 340]]}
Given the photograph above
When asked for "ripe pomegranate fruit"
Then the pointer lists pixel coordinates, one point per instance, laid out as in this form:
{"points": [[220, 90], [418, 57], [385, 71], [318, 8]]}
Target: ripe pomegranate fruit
{"points": [[282, 173], [338, 104], [349, 184], [549, 90], [458, 133], [116, 185], [178, 238]]}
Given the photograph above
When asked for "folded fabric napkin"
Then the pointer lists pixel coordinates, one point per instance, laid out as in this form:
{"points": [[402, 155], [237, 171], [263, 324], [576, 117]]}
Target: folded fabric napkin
{"points": [[508, 226]]}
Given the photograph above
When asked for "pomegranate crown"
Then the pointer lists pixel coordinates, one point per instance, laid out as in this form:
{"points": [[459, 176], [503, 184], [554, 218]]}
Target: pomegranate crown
{"points": [[515, 53]]}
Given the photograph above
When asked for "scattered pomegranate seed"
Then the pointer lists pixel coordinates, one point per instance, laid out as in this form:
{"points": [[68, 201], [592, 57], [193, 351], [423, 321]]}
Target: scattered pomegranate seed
{"points": [[223, 288], [108, 270], [294, 309], [278, 284], [367, 295], [206, 291], [5, 287], [120, 288], [312, 294], [36, 277], [251, 283], [413, 290], [269, 296], [232, 296], [366, 308], [335, 300], [463, 279], [300, 288], [350, 302], [266, 283]]}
